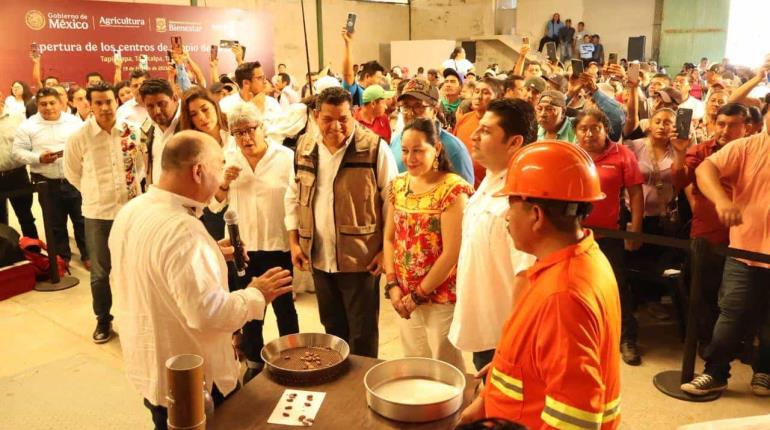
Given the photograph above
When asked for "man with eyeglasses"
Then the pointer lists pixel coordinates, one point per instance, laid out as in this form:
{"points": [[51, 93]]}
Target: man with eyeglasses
{"points": [[251, 79], [419, 100]]}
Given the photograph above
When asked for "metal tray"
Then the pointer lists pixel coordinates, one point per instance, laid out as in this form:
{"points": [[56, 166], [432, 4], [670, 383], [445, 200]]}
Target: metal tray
{"points": [[414, 367], [271, 355]]}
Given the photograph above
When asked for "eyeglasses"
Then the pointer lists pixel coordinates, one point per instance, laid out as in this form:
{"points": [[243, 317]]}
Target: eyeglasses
{"points": [[248, 131], [418, 109]]}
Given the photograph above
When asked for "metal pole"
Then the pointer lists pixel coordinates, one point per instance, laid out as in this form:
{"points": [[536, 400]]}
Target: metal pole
{"points": [[698, 249], [307, 50], [43, 191], [320, 32]]}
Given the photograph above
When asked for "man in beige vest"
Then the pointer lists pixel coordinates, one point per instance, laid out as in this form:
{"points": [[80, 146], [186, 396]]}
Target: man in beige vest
{"points": [[334, 208]]}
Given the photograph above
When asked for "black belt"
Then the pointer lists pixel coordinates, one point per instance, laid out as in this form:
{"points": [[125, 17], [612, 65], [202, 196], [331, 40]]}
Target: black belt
{"points": [[36, 177]]}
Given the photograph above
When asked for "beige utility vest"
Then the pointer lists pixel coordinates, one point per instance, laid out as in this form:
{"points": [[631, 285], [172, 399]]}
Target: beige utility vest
{"points": [[357, 202]]}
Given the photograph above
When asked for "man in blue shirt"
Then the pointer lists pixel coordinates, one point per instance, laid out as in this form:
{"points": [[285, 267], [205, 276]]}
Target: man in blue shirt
{"points": [[420, 100], [371, 72]]}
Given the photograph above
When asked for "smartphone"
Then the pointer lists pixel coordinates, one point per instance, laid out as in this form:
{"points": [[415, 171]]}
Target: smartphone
{"points": [[613, 58], [176, 43], [683, 122], [550, 48], [116, 56], [350, 25], [525, 40], [144, 63], [577, 67], [170, 58], [34, 50], [59, 153], [633, 72], [227, 44], [214, 52]]}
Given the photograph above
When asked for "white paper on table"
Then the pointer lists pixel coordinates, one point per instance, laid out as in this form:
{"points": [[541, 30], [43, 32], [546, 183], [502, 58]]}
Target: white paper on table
{"points": [[299, 407]]}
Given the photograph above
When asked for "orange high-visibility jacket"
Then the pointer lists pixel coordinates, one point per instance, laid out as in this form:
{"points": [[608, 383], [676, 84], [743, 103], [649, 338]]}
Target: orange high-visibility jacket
{"points": [[557, 364]]}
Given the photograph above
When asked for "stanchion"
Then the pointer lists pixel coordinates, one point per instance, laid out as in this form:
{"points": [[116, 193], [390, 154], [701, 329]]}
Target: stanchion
{"points": [[56, 282], [670, 381]]}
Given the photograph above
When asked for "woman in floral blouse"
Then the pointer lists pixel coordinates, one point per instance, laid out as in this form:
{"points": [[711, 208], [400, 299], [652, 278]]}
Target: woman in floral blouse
{"points": [[423, 227]]}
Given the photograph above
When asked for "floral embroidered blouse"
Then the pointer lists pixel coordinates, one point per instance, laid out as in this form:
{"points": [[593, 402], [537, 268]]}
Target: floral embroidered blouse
{"points": [[417, 222]]}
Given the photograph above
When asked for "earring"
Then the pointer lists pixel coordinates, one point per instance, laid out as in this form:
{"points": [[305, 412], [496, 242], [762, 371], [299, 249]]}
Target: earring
{"points": [[435, 164]]}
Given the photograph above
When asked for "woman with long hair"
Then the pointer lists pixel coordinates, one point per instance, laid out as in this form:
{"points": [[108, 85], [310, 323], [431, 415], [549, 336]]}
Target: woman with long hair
{"points": [[20, 94], [704, 129], [123, 88], [423, 227], [200, 112]]}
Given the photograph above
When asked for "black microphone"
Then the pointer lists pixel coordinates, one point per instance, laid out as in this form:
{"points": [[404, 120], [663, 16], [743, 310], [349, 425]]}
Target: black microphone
{"points": [[231, 219]]}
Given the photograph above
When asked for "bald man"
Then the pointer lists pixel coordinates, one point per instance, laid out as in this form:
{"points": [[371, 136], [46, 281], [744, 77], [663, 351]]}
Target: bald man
{"points": [[170, 277]]}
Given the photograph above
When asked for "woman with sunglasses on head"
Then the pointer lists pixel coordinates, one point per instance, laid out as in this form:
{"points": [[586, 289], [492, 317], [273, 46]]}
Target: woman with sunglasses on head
{"points": [[200, 112], [255, 182], [423, 228]]}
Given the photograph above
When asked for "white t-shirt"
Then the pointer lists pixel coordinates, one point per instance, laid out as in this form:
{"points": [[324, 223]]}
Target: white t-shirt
{"points": [[461, 66], [697, 106]]}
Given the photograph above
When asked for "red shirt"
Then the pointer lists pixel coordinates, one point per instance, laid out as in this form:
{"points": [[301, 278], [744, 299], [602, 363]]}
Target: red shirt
{"points": [[618, 169], [705, 222], [380, 125]]}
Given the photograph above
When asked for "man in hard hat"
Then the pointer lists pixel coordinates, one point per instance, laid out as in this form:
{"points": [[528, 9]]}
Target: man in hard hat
{"points": [[557, 363]]}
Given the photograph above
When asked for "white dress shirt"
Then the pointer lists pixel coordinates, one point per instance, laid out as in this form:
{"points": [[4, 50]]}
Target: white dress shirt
{"points": [[159, 142], [486, 269], [94, 164], [324, 252], [257, 197], [288, 97], [271, 110], [13, 106], [169, 286], [131, 111], [9, 122], [36, 135]]}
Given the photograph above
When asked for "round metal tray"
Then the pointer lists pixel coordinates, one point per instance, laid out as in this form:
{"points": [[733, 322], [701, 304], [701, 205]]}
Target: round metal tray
{"points": [[414, 367], [271, 355]]}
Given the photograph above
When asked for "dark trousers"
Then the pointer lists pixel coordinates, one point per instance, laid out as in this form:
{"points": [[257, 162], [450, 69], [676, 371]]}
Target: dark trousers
{"points": [[708, 302], [283, 306], [160, 413], [65, 201], [744, 291], [547, 39], [615, 253], [13, 180], [349, 305], [482, 358], [97, 233]]}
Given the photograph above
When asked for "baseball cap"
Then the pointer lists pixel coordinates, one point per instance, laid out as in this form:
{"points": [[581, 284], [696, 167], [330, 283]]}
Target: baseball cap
{"points": [[536, 83], [452, 72], [325, 82], [376, 92], [559, 80], [670, 95], [553, 98], [420, 89]]}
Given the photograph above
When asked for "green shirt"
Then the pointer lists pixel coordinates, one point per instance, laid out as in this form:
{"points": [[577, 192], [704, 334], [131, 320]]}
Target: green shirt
{"points": [[566, 133]]}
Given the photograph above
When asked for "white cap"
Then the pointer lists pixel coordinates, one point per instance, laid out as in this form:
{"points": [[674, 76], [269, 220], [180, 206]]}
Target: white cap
{"points": [[326, 82]]}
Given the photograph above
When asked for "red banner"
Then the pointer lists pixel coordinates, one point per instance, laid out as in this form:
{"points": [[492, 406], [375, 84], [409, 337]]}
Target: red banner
{"points": [[78, 37]]}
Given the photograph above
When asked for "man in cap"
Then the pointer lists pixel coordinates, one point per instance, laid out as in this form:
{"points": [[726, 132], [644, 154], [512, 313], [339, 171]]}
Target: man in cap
{"points": [[372, 113], [557, 363], [557, 82], [419, 99], [535, 86], [452, 87]]}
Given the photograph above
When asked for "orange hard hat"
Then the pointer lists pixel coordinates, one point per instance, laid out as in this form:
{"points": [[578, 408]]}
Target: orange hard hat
{"points": [[553, 170]]}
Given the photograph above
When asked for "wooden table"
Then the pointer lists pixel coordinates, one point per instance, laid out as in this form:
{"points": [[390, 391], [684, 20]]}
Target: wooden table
{"points": [[344, 407]]}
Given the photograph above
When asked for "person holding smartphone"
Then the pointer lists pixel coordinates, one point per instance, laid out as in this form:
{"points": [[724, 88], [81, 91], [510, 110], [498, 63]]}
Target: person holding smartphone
{"points": [[39, 143]]}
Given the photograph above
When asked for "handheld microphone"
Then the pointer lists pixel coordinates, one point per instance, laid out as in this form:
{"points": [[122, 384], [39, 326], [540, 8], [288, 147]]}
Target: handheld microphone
{"points": [[231, 219]]}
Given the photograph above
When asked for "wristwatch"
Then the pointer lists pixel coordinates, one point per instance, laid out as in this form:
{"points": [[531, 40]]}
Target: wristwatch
{"points": [[389, 286]]}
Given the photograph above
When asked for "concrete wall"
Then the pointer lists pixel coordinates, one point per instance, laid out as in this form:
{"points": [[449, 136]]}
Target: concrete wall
{"points": [[688, 33], [615, 21], [452, 19], [382, 23]]}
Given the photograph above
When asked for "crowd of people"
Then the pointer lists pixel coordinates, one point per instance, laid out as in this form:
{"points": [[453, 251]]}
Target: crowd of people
{"points": [[382, 173]]}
